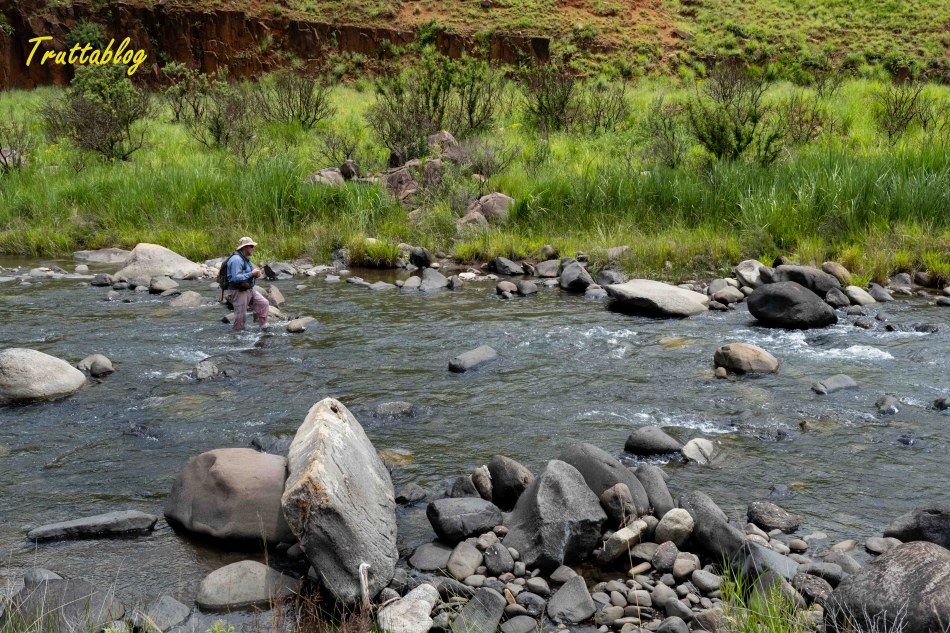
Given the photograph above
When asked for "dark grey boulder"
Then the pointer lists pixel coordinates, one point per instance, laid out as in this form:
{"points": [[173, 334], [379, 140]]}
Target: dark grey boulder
{"points": [[481, 614], [814, 279], [929, 522], [279, 270], [526, 288], [504, 266], [610, 277], [520, 624], [836, 298], [420, 256], [498, 560], [455, 520], [887, 405], [908, 585], [712, 531], [509, 480], [472, 359], [673, 625], [880, 294], [63, 605], [574, 277], [830, 572], [754, 559], [409, 493], [790, 305], [433, 281], [548, 269], [462, 487], [395, 409], [812, 588], [572, 603], [108, 524], [651, 440], [769, 516], [654, 484], [557, 520], [601, 471]]}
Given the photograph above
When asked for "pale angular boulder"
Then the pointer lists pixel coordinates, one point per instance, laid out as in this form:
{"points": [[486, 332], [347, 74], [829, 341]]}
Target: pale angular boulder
{"points": [[655, 298], [339, 502], [410, 614], [27, 375], [152, 260]]}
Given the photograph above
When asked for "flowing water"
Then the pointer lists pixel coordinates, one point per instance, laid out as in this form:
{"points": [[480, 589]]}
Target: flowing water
{"points": [[571, 370]]}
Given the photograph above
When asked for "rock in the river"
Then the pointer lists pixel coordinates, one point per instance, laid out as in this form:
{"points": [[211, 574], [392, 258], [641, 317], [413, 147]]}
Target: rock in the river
{"points": [[651, 440], [601, 471], [108, 524], [769, 516], [161, 615], [296, 326], [906, 588], [339, 502], [505, 266], [743, 358], [481, 613], [61, 605], [161, 285], [456, 519], [699, 450], [572, 603], [887, 405], [420, 256], [557, 520], [929, 522], [574, 277], [814, 279], [790, 305], [879, 293], [410, 614], [837, 298], [231, 494], [433, 281], [548, 269], [204, 370], [103, 256], [618, 504], [27, 375], [241, 585], [833, 384], [526, 288], [187, 299], [509, 480], [97, 365], [727, 295], [655, 298], [711, 528], [859, 296], [395, 409], [472, 359], [151, 260]]}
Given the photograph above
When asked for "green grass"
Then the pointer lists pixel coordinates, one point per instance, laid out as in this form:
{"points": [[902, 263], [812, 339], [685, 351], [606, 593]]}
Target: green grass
{"points": [[751, 609], [848, 196]]}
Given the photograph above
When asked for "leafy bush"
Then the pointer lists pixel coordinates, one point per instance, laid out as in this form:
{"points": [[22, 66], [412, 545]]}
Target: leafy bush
{"points": [[101, 111], [552, 97], [186, 92], [296, 98], [478, 96], [664, 132], [86, 32], [729, 118]]}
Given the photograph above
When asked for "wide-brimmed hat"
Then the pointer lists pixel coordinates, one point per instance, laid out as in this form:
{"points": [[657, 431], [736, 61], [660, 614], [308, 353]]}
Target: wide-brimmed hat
{"points": [[245, 241]]}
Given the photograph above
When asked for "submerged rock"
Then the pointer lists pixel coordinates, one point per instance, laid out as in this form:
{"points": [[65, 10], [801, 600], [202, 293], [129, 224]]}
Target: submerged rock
{"points": [[472, 359]]}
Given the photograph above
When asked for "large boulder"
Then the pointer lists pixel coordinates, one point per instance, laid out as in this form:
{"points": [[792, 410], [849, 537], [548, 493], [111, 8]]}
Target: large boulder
{"points": [[557, 520], [54, 604], [814, 279], [930, 522], [456, 519], [339, 502], [712, 531], [749, 273], [651, 476], [601, 471], [906, 589], [244, 584], [574, 277], [572, 603], [231, 494], [509, 480], [493, 206], [27, 375], [769, 516], [743, 358], [790, 305], [151, 260], [655, 298], [103, 256]]}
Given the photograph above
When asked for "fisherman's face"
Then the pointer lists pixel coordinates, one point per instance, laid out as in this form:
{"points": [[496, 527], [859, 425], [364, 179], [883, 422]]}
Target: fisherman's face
{"points": [[247, 250]]}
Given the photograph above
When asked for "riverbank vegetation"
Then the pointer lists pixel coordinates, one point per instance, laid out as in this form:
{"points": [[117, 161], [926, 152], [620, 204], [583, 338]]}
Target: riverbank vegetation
{"points": [[692, 176]]}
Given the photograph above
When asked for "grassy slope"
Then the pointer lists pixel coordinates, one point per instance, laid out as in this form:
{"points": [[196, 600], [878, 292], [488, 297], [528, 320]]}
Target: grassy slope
{"points": [[849, 196], [639, 37]]}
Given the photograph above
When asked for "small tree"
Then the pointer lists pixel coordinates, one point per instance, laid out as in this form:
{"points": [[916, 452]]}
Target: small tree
{"points": [[16, 142], [664, 132], [552, 97], [895, 106], [226, 117], [101, 111], [604, 105], [296, 98], [804, 117], [187, 91], [478, 96]]}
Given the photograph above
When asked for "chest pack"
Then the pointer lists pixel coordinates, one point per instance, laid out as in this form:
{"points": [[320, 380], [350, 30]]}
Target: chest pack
{"points": [[224, 283]]}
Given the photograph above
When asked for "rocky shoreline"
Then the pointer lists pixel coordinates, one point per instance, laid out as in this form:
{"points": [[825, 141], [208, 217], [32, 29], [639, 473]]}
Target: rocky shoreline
{"points": [[509, 542]]}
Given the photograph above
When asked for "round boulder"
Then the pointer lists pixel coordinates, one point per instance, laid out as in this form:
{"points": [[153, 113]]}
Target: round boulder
{"points": [[27, 375], [743, 358], [787, 304]]}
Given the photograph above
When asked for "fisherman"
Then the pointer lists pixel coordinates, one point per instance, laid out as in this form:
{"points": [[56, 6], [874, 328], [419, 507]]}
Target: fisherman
{"points": [[240, 292]]}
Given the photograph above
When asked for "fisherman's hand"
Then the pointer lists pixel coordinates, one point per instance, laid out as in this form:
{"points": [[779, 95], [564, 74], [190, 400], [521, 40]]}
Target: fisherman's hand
{"points": [[257, 273]]}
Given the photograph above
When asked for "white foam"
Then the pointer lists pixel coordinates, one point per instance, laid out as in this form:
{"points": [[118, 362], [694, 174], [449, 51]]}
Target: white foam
{"points": [[855, 352]]}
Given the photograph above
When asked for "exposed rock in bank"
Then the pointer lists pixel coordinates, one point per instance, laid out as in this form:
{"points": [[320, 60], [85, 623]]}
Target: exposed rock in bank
{"points": [[749, 273], [743, 358], [557, 520], [339, 502], [769, 516], [837, 271], [473, 359], [410, 614], [574, 277], [790, 305], [814, 279], [97, 365], [231, 494], [504, 266], [242, 585], [433, 281], [509, 481], [482, 612], [602, 471], [572, 603], [907, 587], [27, 375], [108, 524], [655, 298], [456, 519], [161, 615], [151, 260], [494, 207]]}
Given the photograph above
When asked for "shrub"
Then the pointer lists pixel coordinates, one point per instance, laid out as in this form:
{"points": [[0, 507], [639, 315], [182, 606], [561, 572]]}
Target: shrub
{"points": [[477, 98], [16, 142], [664, 132], [804, 117], [730, 119], [186, 92], [101, 111], [226, 119], [895, 106], [296, 98], [86, 32], [604, 105], [552, 97]]}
